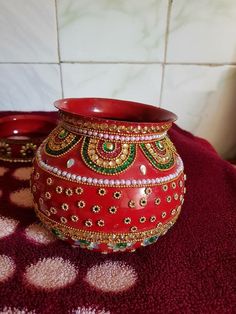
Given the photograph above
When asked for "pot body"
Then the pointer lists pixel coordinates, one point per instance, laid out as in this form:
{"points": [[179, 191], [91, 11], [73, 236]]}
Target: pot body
{"points": [[108, 185]]}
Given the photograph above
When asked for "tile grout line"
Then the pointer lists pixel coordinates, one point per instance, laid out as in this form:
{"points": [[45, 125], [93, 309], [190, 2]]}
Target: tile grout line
{"points": [[58, 49], [165, 50], [206, 64], [111, 62], [28, 62]]}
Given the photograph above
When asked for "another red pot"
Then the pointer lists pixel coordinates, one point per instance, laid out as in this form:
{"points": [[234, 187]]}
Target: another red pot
{"points": [[21, 134], [108, 178]]}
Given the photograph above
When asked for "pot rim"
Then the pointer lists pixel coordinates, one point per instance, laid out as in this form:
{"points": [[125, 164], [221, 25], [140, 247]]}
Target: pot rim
{"points": [[5, 135], [117, 110]]}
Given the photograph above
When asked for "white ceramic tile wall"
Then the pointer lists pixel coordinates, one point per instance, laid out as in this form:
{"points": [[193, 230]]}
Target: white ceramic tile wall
{"points": [[191, 91], [28, 31], [202, 31], [29, 87], [179, 54], [139, 82], [111, 30]]}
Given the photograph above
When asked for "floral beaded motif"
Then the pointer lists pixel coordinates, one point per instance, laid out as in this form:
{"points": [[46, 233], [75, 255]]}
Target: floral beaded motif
{"points": [[60, 142], [5, 149], [101, 223], [102, 191], [112, 209], [49, 181], [81, 204], [117, 195], [159, 153], [127, 220], [143, 202], [65, 206], [59, 189], [88, 223], [79, 190], [28, 150], [107, 157], [74, 218], [131, 204], [53, 210], [96, 208]]}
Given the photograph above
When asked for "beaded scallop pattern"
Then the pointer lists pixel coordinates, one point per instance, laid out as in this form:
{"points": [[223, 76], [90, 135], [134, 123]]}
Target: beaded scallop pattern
{"points": [[107, 157], [159, 153], [61, 141]]}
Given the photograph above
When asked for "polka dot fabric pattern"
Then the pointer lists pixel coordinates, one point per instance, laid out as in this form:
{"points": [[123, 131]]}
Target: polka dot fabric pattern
{"points": [[190, 270]]}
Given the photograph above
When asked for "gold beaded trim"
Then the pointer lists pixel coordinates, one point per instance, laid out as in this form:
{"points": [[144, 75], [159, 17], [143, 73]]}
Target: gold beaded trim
{"points": [[131, 204], [102, 237], [89, 125], [16, 159], [101, 184]]}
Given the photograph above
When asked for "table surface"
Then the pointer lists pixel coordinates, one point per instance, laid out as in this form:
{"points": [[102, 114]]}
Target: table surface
{"points": [[189, 270]]}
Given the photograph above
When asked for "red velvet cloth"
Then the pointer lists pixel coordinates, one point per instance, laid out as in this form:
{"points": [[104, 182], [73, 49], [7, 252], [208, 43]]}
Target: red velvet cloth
{"points": [[189, 270]]}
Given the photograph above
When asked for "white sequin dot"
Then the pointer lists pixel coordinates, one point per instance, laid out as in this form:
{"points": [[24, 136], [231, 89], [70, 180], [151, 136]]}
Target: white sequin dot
{"points": [[89, 310], [13, 310], [7, 226], [22, 173], [22, 197], [39, 234], [51, 273], [111, 276], [7, 267]]}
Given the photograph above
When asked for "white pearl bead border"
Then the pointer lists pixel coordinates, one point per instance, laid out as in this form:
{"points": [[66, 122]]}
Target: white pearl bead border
{"points": [[113, 137], [108, 182]]}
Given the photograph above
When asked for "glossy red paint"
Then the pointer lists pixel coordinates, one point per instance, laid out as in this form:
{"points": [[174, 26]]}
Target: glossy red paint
{"points": [[115, 109]]}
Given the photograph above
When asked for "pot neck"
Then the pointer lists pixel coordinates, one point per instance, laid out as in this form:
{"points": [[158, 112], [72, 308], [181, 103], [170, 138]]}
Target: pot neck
{"points": [[113, 129]]}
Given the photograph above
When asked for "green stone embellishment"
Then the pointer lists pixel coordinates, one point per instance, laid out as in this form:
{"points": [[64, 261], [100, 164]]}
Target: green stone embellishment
{"points": [[85, 244], [160, 145], [120, 246], [108, 170], [149, 241], [58, 234], [108, 147], [63, 134]]}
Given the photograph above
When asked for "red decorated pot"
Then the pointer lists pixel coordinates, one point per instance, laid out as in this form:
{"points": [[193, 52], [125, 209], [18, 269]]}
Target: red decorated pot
{"points": [[108, 178], [21, 134]]}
